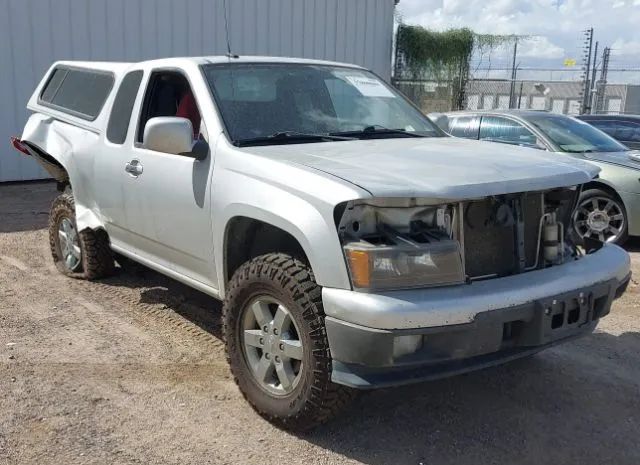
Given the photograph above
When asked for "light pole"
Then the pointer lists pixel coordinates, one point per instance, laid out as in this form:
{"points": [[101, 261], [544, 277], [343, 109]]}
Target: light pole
{"points": [[514, 72]]}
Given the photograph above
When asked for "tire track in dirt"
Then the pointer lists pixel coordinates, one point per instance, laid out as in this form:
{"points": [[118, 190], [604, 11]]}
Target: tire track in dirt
{"points": [[113, 315], [14, 262], [119, 296], [132, 301]]}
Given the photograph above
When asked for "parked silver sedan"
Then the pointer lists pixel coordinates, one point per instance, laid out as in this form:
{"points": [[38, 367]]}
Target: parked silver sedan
{"points": [[609, 207]]}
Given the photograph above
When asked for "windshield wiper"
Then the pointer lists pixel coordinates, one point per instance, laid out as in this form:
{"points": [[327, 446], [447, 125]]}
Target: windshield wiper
{"points": [[289, 137], [581, 151], [377, 130]]}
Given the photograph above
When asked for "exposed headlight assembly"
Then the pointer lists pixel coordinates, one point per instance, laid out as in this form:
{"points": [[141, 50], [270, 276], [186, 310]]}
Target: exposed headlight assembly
{"points": [[404, 266], [400, 248]]}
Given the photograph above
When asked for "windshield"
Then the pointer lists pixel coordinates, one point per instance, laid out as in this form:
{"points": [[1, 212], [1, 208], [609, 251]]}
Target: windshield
{"points": [[575, 136], [281, 103]]}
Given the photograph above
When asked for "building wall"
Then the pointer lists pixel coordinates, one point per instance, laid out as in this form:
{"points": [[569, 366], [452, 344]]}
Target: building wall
{"points": [[632, 102], [35, 33]]}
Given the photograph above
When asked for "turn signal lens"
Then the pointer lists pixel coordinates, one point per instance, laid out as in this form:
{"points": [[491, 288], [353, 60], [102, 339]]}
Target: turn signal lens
{"points": [[359, 265]]}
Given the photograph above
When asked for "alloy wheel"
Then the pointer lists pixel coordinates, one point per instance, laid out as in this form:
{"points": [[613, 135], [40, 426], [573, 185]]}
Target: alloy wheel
{"points": [[600, 218], [272, 346], [69, 245]]}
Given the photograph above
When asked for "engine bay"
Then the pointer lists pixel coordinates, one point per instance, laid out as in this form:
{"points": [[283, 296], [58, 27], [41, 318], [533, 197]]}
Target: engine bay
{"points": [[490, 237]]}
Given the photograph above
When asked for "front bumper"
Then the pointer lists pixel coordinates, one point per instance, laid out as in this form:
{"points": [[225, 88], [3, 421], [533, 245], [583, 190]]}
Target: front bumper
{"points": [[461, 328]]}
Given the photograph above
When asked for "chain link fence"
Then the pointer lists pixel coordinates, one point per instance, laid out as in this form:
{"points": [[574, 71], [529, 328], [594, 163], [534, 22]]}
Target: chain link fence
{"points": [[563, 97], [432, 96]]}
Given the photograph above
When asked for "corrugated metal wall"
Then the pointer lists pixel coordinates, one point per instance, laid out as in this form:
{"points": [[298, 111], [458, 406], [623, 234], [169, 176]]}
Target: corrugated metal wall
{"points": [[34, 33]]}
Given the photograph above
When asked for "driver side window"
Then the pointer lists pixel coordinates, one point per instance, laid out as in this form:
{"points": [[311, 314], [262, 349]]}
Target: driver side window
{"points": [[507, 131], [169, 94]]}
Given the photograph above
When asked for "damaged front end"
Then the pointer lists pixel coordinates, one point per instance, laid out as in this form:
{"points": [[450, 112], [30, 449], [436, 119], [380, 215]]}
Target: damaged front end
{"points": [[445, 287], [416, 243]]}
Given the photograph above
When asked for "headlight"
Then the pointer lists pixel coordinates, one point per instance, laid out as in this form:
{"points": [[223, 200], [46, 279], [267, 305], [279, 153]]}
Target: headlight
{"points": [[401, 243], [404, 266]]}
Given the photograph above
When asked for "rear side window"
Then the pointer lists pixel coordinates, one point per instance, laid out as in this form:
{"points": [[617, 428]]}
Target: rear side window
{"points": [[122, 107], [497, 129], [464, 126], [79, 92]]}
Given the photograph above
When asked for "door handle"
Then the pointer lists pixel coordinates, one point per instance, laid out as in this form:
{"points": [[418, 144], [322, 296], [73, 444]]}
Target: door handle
{"points": [[134, 168]]}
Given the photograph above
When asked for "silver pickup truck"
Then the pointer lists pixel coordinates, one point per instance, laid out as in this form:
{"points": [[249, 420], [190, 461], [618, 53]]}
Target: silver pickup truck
{"points": [[353, 243]]}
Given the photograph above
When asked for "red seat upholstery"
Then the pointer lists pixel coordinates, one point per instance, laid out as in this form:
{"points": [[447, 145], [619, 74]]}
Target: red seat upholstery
{"points": [[187, 108]]}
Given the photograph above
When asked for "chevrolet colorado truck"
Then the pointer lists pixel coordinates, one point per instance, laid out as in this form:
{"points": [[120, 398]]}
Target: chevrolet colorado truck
{"points": [[353, 243]]}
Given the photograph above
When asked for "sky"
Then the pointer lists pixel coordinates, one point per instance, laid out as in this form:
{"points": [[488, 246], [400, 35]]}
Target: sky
{"points": [[556, 26]]}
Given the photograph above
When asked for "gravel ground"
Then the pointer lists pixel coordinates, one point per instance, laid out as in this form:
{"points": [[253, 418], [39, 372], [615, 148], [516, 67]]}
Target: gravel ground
{"points": [[131, 369]]}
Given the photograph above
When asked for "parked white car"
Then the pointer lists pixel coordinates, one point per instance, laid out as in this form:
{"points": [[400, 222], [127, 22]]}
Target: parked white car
{"points": [[354, 244]]}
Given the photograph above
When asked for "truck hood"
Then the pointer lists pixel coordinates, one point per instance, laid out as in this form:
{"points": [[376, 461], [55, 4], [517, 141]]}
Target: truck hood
{"points": [[628, 159], [442, 167]]}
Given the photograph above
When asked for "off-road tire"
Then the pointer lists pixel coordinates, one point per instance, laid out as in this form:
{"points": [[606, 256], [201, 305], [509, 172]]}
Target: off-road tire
{"points": [[315, 399], [96, 256]]}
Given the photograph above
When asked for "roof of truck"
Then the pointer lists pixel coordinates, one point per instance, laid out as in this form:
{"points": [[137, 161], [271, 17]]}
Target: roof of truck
{"points": [[265, 59], [202, 60], [118, 69]]}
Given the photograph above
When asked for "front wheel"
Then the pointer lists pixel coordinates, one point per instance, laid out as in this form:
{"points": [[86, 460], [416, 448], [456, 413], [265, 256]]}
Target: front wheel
{"points": [[277, 344], [600, 216]]}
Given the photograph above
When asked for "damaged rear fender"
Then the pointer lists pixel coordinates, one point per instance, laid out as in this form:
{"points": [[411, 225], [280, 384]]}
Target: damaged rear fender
{"points": [[49, 145], [54, 145]]}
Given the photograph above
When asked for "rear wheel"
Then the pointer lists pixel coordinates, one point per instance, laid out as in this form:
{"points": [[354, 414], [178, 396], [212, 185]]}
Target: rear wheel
{"points": [[79, 254], [600, 216], [277, 345]]}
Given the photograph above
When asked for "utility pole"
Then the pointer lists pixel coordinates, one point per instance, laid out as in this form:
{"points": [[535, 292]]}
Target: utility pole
{"points": [[459, 99], [602, 83], [593, 81], [588, 44], [520, 96], [514, 71], [396, 58]]}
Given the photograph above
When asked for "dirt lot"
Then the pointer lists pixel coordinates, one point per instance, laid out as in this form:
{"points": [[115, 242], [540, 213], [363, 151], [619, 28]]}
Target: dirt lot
{"points": [[131, 370]]}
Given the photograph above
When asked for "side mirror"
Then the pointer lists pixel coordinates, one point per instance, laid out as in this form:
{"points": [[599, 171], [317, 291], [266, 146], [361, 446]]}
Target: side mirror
{"points": [[199, 151], [171, 134]]}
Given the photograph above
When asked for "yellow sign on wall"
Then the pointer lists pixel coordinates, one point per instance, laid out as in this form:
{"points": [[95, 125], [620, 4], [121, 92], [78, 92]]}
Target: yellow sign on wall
{"points": [[569, 62]]}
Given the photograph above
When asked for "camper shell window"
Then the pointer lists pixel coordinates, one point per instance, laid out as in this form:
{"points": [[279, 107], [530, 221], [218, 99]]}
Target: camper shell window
{"points": [[78, 92]]}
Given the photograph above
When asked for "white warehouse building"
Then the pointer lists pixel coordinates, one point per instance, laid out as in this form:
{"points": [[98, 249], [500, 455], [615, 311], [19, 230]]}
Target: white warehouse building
{"points": [[35, 33]]}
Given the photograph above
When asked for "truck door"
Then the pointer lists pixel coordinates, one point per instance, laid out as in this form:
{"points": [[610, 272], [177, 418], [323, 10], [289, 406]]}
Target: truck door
{"points": [[167, 204], [108, 164]]}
